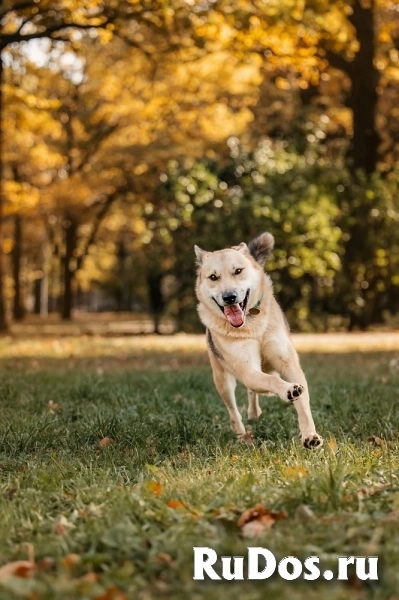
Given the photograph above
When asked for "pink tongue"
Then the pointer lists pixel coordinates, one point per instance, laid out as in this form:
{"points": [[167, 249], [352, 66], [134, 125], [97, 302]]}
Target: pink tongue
{"points": [[234, 314]]}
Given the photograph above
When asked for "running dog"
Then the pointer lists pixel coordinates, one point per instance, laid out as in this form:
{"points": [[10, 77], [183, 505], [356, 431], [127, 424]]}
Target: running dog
{"points": [[247, 334]]}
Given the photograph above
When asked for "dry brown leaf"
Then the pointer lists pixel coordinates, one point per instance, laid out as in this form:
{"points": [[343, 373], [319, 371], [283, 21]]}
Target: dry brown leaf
{"points": [[53, 406], [373, 490], [71, 560], [175, 504], [112, 593], [155, 487], [63, 526], [107, 441], [165, 559], [10, 493], [46, 563], [296, 471], [254, 521], [18, 568], [90, 577], [377, 441], [332, 444]]}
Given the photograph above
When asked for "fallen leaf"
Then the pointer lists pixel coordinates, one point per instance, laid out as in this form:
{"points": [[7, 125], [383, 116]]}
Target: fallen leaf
{"points": [[254, 521], [90, 577], [107, 441], [46, 563], [53, 406], [165, 559], [155, 487], [10, 493], [63, 525], [377, 441], [373, 490], [296, 471], [18, 568], [332, 444], [71, 560], [175, 504], [112, 593]]}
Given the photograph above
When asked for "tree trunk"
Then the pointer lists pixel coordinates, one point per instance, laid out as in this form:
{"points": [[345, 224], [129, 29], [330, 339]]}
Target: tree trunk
{"points": [[363, 97], [3, 317], [18, 311], [363, 152], [156, 299], [37, 287], [124, 291], [69, 270], [44, 288]]}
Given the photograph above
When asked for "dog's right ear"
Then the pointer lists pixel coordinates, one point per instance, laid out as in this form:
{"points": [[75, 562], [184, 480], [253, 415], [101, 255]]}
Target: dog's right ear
{"points": [[199, 254]]}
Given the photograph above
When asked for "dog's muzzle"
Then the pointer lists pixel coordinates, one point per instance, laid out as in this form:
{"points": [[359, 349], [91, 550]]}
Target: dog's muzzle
{"points": [[234, 311]]}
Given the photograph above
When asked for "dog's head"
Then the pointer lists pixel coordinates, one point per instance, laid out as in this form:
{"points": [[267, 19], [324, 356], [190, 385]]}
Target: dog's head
{"points": [[228, 280]]}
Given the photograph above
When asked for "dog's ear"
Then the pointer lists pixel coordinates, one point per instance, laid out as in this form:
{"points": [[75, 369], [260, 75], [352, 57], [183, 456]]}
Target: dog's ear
{"points": [[261, 247], [199, 254]]}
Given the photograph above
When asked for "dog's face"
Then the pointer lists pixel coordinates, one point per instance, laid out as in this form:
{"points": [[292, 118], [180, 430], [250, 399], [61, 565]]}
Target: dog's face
{"points": [[227, 282]]}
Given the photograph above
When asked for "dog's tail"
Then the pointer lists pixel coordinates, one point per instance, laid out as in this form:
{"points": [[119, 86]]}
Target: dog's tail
{"points": [[261, 247]]}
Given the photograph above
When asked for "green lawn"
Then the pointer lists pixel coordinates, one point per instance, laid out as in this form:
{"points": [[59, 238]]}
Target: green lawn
{"points": [[96, 516]]}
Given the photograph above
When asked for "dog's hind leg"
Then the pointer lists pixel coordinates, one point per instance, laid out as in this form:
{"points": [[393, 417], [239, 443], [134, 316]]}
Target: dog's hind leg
{"points": [[254, 410]]}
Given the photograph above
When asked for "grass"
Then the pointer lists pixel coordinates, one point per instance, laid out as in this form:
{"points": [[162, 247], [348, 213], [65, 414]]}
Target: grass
{"points": [[97, 517]]}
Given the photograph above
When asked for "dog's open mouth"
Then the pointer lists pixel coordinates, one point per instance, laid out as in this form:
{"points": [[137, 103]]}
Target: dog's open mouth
{"points": [[235, 313]]}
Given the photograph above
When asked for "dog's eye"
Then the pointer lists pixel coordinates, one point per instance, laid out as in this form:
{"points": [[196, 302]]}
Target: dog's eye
{"points": [[213, 277], [237, 271]]}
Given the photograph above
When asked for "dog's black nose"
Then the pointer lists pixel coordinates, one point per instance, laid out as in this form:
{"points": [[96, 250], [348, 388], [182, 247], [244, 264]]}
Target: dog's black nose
{"points": [[229, 297]]}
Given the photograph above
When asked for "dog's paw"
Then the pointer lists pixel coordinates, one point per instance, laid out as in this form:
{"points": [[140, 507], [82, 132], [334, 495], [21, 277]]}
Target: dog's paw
{"points": [[312, 442], [294, 391], [246, 438]]}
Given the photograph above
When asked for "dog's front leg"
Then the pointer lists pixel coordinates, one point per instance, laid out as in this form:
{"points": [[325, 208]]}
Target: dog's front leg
{"points": [[287, 364], [310, 438], [262, 383], [225, 384]]}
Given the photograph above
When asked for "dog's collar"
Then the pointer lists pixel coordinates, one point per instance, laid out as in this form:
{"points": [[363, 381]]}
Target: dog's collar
{"points": [[258, 302], [255, 309]]}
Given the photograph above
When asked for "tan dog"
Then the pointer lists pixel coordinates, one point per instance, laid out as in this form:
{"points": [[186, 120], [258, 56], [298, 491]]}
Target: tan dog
{"points": [[247, 334]]}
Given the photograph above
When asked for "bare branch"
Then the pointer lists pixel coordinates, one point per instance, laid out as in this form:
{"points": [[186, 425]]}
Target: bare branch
{"points": [[101, 214], [339, 62], [21, 6], [49, 32]]}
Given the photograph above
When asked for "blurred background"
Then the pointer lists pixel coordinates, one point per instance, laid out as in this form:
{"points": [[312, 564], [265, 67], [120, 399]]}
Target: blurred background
{"points": [[131, 130]]}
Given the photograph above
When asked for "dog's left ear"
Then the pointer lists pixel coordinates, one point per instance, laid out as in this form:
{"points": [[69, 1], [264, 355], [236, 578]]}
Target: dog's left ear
{"points": [[199, 254], [261, 247]]}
